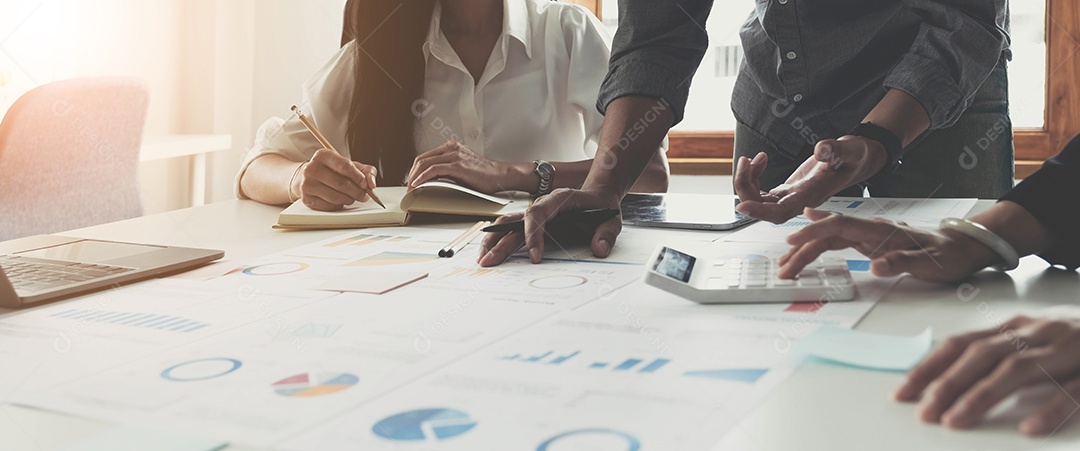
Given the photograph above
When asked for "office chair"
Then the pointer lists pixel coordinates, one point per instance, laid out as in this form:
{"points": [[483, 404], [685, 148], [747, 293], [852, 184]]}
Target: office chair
{"points": [[69, 155]]}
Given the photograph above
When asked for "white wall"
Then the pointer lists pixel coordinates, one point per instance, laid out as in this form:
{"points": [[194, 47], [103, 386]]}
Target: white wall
{"points": [[213, 66]]}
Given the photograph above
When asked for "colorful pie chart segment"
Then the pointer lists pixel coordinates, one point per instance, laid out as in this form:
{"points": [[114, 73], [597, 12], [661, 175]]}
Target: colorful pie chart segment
{"points": [[430, 425], [314, 384]]}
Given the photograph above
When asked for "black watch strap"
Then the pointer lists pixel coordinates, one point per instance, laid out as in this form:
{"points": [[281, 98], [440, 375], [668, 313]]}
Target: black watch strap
{"points": [[546, 172], [894, 148]]}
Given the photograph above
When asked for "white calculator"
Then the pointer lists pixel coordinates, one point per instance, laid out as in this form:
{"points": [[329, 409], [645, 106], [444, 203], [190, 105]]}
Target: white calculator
{"points": [[746, 278]]}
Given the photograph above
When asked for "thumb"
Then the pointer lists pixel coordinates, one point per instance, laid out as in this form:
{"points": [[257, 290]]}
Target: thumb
{"points": [[894, 263], [836, 153], [604, 237], [816, 215]]}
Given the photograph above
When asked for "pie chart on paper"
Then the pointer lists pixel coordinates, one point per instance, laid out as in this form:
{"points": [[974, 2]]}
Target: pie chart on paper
{"points": [[314, 384], [430, 425]]}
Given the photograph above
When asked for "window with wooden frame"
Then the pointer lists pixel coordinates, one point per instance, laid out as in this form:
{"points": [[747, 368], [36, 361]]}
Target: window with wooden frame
{"points": [[1044, 85]]}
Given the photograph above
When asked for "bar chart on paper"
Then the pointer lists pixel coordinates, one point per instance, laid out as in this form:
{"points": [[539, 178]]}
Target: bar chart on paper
{"points": [[393, 259], [366, 239], [165, 323], [630, 364]]}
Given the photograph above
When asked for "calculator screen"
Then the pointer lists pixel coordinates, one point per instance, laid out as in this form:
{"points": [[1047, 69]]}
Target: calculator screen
{"points": [[674, 264]]}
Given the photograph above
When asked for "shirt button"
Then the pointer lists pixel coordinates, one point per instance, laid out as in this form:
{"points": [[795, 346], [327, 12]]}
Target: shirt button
{"points": [[791, 55], [474, 133], [797, 98], [783, 2]]}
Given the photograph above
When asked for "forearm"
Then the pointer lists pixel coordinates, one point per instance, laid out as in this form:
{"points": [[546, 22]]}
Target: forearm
{"points": [[1013, 224], [267, 179], [634, 128], [901, 114], [571, 174]]}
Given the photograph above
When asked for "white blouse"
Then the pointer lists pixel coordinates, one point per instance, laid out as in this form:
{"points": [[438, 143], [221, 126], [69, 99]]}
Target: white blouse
{"points": [[536, 99]]}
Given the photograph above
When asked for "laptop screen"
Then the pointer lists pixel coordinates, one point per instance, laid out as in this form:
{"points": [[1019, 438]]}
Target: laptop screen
{"points": [[90, 251]]}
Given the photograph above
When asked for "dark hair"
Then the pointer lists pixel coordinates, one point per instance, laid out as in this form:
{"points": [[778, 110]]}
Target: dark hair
{"points": [[390, 68]]}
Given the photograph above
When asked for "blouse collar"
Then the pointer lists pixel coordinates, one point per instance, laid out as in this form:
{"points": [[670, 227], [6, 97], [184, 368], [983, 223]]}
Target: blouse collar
{"points": [[515, 25]]}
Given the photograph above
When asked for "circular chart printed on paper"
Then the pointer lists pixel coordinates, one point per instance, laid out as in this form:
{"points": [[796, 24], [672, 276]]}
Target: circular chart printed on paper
{"points": [[201, 369], [430, 425], [558, 282], [314, 384]]}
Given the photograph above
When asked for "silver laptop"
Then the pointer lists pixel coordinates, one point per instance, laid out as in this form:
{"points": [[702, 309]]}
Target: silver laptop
{"points": [[47, 267]]}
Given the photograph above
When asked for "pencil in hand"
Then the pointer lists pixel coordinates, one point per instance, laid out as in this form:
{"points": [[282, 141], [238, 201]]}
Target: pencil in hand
{"points": [[326, 143]]}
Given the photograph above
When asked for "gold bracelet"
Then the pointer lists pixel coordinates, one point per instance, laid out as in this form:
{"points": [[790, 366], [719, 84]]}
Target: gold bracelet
{"points": [[293, 179]]}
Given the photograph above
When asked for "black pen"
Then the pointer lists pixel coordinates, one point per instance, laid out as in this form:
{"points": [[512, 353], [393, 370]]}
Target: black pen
{"points": [[592, 217]]}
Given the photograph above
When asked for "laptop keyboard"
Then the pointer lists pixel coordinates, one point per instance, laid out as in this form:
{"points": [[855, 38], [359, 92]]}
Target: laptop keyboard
{"points": [[32, 275]]}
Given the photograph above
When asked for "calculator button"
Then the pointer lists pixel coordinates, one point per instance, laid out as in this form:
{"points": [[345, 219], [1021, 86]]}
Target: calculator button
{"points": [[809, 282], [783, 282], [756, 282]]}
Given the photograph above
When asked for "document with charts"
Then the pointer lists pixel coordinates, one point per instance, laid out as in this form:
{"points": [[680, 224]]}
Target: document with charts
{"points": [[295, 370], [53, 344], [604, 376]]}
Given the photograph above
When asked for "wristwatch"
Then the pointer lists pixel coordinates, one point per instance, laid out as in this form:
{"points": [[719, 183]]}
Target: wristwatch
{"points": [[894, 148], [546, 171]]}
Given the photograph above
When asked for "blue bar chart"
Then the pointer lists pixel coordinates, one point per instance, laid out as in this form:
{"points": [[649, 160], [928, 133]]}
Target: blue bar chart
{"points": [[133, 319], [628, 365]]}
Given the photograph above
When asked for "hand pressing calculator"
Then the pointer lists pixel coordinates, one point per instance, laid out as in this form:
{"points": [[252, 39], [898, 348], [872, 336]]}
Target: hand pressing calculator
{"points": [[746, 278]]}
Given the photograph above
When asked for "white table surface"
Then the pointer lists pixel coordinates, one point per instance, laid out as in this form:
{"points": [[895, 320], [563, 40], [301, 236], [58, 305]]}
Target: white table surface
{"points": [[162, 147], [819, 407]]}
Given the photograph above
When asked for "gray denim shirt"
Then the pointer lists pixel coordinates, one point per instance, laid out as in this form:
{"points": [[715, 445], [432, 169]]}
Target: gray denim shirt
{"points": [[815, 68]]}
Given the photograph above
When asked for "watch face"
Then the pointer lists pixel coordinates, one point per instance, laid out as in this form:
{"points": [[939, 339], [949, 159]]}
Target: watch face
{"points": [[545, 169]]}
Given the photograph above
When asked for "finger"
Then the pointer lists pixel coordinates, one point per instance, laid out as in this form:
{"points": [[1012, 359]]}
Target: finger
{"points": [[1053, 414], [1015, 372], [838, 154], [846, 227], [1037, 352], [538, 215], [758, 166], [316, 203], [371, 172], [338, 188], [492, 238], [746, 187], [345, 168], [448, 146], [777, 213], [327, 193], [916, 262], [436, 171], [506, 246], [808, 253], [985, 372], [817, 215], [605, 235], [536, 219], [337, 172], [936, 363], [423, 164]]}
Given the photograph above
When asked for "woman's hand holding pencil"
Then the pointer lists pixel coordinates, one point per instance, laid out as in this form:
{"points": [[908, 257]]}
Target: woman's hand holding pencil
{"points": [[330, 181]]}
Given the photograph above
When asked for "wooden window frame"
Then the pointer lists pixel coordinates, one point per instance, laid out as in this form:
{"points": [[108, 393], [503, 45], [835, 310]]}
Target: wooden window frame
{"points": [[710, 153]]}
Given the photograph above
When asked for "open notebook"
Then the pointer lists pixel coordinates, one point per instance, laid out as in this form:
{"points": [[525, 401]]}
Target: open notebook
{"points": [[432, 197]]}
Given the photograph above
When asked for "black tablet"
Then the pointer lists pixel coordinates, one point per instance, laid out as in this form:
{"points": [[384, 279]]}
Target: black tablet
{"points": [[683, 211]]}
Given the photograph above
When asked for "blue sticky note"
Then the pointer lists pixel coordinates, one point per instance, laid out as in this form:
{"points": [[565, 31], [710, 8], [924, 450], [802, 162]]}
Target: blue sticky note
{"points": [[865, 350], [123, 438], [858, 265]]}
